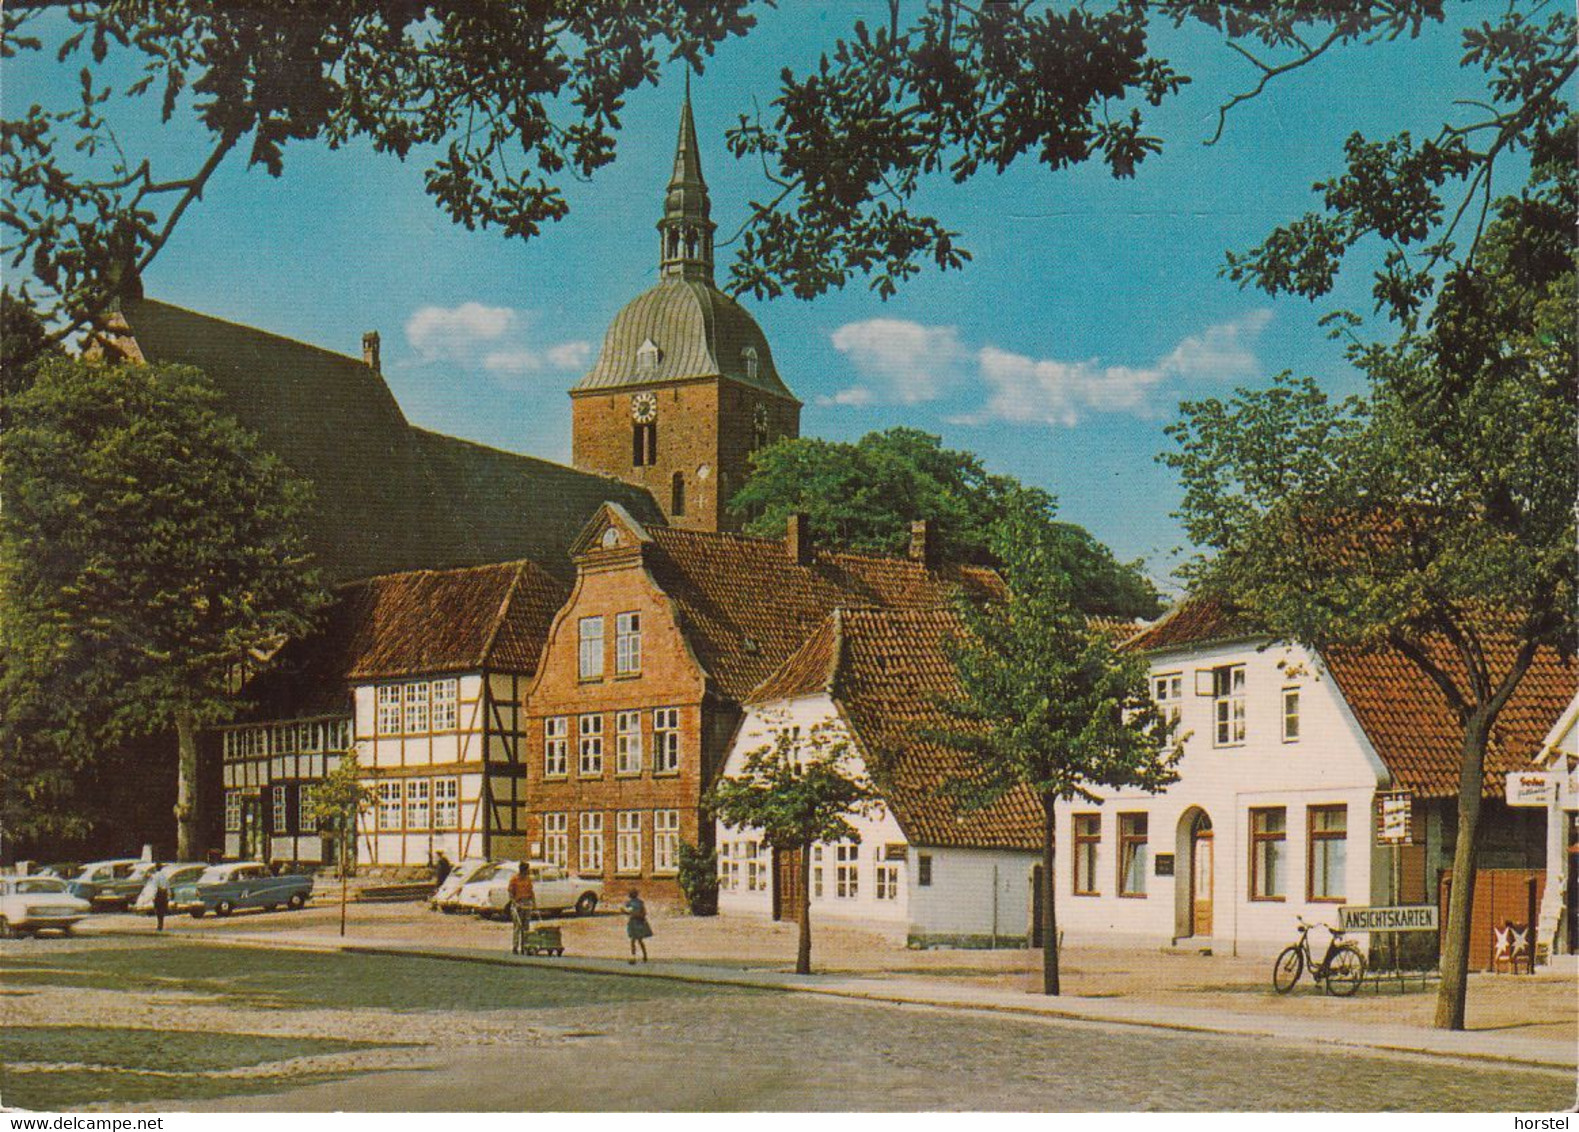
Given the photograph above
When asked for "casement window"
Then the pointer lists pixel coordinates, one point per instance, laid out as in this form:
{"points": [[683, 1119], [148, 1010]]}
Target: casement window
{"points": [[1268, 852], [389, 804], [279, 812], [627, 841], [1167, 690], [1132, 856], [446, 696], [556, 746], [924, 870], [885, 880], [556, 839], [416, 697], [446, 803], [591, 638], [627, 644], [284, 739], [232, 811], [591, 847], [591, 748], [389, 709], [1328, 832], [1290, 715], [756, 868], [847, 871], [723, 867], [306, 803], [340, 735], [1228, 705], [228, 746], [665, 841], [418, 803], [627, 742], [665, 740], [816, 872], [1088, 840]]}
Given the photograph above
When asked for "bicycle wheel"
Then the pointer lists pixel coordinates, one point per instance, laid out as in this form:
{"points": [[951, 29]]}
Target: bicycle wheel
{"points": [[1346, 971], [1286, 971]]}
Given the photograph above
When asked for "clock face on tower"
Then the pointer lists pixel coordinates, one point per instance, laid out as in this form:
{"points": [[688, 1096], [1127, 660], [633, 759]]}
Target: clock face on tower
{"points": [[644, 408]]}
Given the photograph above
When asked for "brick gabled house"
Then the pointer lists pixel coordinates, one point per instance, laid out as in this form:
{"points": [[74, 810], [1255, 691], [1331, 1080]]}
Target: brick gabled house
{"points": [[647, 667]]}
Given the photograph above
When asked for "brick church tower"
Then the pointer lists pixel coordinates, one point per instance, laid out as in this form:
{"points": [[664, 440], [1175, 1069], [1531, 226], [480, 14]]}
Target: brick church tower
{"points": [[684, 389]]}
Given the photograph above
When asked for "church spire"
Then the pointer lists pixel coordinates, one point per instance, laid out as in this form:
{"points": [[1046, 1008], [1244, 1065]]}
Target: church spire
{"points": [[686, 230]]}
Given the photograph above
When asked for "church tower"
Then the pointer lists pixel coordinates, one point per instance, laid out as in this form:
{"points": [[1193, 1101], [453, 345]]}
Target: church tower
{"points": [[684, 389]]}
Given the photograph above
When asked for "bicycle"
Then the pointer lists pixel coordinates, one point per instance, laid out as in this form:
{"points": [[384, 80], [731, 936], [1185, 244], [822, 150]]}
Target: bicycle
{"points": [[1342, 969]]}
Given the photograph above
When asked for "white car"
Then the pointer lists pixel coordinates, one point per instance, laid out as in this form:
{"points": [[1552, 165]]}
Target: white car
{"points": [[554, 889], [109, 886], [181, 873], [38, 903], [446, 898]]}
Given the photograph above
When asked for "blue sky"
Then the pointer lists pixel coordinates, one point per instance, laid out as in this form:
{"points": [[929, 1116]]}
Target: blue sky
{"points": [[1091, 309]]}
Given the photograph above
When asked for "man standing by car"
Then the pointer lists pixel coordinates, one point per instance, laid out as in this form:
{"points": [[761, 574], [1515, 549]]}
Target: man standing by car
{"points": [[523, 902], [161, 895]]}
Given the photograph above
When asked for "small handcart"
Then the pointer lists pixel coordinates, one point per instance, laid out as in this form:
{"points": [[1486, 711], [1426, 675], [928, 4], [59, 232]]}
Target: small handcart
{"points": [[542, 941]]}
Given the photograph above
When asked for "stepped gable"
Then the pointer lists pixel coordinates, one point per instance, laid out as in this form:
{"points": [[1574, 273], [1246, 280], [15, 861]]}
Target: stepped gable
{"points": [[746, 605], [423, 622], [387, 497], [1401, 710]]}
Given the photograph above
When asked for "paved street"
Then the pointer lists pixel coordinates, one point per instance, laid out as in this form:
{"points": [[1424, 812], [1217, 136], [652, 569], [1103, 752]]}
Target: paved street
{"points": [[163, 1024]]}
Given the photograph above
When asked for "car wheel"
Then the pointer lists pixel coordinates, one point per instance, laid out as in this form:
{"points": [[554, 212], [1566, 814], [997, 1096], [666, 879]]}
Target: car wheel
{"points": [[6, 931], [297, 902], [197, 913], [224, 908], [586, 904]]}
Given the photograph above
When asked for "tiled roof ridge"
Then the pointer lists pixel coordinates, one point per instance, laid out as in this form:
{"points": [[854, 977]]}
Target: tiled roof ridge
{"points": [[502, 613], [480, 446], [233, 324], [433, 571]]}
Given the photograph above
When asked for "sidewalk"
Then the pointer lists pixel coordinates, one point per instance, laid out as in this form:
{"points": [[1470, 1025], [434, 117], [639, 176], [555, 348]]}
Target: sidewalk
{"points": [[1520, 1019]]}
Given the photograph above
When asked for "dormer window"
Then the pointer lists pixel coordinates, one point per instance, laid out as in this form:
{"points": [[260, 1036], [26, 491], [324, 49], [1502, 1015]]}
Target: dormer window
{"points": [[648, 356], [748, 358]]}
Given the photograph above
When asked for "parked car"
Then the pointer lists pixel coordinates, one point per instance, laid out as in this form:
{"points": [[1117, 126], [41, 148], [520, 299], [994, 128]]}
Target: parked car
{"points": [[182, 874], [446, 898], [111, 885], [65, 870], [223, 889], [38, 903], [554, 888]]}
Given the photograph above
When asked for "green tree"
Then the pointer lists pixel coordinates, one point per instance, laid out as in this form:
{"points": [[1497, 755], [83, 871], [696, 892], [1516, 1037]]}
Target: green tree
{"points": [[797, 790], [147, 547], [865, 495], [1049, 703], [1434, 515], [340, 802]]}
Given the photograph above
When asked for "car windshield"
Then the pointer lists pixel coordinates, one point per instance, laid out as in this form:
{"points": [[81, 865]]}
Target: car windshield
{"points": [[505, 872], [40, 884], [214, 874]]}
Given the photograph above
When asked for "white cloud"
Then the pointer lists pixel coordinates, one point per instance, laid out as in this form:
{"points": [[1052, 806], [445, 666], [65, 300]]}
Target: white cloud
{"points": [[902, 362], [494, 339], [1025, 390]]}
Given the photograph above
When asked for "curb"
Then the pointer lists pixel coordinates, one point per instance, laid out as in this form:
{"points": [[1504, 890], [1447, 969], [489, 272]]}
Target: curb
{"points": [[1062, 1013]]}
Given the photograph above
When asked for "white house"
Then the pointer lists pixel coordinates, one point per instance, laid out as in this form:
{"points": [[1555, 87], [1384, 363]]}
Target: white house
{"points": [[921, 868], [1274, 815], [1558, 930]]}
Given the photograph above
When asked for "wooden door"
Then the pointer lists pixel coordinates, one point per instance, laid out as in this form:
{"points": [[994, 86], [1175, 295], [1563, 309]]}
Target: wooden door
{"points": [[1201, 861], [786, 884]]}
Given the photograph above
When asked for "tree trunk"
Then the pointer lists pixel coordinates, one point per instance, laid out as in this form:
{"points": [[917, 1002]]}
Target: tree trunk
{"points": [[803, 949], [188, 828], [1455, 943], [1049, 917]]}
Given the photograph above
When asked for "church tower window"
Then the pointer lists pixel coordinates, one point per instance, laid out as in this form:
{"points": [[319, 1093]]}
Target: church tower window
{"points": [[644, 444], [677, 494]]}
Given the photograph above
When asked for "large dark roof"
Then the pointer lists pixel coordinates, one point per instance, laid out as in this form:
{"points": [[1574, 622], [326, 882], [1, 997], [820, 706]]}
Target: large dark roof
{"points": [[389, 497]]}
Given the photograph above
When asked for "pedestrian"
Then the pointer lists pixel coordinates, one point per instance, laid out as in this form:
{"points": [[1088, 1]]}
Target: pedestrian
{"points": [[637, 929], [523, 902], [441, 868], [161, 895]]}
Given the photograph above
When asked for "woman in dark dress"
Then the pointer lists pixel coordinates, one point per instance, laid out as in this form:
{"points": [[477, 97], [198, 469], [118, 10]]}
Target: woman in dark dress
{"points": [[637, 928]]}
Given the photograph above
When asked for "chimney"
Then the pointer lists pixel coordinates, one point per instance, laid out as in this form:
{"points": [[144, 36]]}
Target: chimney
{"points": [[370, 351], [797, 539], [924, 543]]}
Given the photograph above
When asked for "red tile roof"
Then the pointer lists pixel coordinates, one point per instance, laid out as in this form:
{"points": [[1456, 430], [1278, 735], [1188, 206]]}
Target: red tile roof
{"points": [[890, 671], [746, 606], [1402, 712], [423, 622]]}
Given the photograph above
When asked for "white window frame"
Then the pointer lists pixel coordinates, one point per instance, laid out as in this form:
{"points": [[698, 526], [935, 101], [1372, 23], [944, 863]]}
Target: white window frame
{"points": [[1228, 705], [1290, 701], [419, 804], [389, 717], [589, 650], [627, 644], [589, 850], [391, 805], [279, 810], [666, 740], [306, 799], [627, 742], [415, 697], [1167, 691], [446, 803], [885, 880], [446, 705], [816, 872], [627, 842], [665, 841], [556, 746], [589, 748], [847, 870], [232, 811], [556, 839]]}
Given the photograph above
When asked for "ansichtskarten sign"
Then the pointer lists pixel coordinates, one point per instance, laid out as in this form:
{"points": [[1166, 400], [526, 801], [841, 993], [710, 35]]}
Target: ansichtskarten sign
{"points": [[1405, 918]]}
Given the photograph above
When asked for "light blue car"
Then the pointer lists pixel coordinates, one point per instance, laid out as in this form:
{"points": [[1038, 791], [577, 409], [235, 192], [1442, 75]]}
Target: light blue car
{"points": [[224, 889]]}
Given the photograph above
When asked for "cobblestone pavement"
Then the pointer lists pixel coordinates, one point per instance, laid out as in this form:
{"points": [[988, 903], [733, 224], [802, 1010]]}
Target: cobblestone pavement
{"points": [[318, 1032]]}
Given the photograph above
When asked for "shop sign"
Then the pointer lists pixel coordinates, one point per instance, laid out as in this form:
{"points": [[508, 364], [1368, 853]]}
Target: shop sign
{"points": [[1403, 918], [1394, 809], [1531, 788]]}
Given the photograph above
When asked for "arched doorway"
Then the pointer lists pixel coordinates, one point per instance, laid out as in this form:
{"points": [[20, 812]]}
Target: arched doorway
{"points": [[1197, 859]]}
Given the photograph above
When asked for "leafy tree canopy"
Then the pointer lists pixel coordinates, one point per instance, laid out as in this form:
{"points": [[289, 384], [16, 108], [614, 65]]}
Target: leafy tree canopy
{"points": [[865, 496]]}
